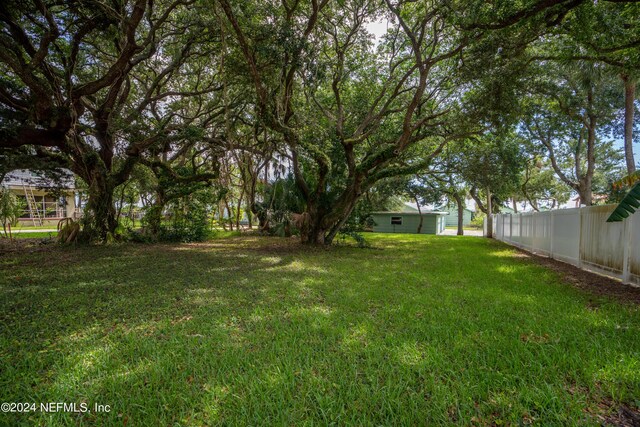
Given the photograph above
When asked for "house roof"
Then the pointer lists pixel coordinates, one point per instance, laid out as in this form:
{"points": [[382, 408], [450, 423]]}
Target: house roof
{"points": [[409, 207], [24, 177]]}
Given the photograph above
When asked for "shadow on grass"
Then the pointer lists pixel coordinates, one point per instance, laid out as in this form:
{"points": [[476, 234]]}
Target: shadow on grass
{"points": [[262, 331]]}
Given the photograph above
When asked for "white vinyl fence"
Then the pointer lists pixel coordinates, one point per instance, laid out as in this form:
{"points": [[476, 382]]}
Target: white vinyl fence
{"points": [[579, 236]]}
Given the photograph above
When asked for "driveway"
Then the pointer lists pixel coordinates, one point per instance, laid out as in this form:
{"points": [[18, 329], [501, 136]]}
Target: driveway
{"points": [[453, 232]]}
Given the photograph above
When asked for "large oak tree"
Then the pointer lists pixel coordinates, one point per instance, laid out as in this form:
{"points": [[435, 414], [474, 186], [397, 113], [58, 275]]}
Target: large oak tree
{"points": [[90, 86]]}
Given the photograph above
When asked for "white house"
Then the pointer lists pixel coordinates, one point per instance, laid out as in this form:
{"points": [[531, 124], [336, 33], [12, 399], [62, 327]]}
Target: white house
{"points": [[41, 206]]}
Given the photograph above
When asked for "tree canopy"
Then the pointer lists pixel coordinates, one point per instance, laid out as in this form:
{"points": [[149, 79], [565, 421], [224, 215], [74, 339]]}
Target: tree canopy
{"points": [[217, 100]]}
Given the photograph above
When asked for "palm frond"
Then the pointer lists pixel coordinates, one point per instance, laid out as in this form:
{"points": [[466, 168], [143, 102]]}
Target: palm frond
{"points": [[627, 206]]}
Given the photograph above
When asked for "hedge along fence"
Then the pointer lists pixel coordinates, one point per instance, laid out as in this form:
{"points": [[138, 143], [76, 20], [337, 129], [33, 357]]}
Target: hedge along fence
{"points": [[580, 236]]}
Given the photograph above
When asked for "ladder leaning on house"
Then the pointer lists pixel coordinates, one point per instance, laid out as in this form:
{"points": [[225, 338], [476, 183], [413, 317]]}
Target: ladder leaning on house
{"points": [[34, 213]]}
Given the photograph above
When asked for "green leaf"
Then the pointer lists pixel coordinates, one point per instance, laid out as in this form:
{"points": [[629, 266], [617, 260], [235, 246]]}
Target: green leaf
{"points": [[627, 206]]}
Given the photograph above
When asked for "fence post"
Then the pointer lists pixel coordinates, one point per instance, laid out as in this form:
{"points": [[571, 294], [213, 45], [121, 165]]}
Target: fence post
{"points": [[626, 264], [552, 226], [511, 228], [532, 232], [520, 230], [580, 236]]}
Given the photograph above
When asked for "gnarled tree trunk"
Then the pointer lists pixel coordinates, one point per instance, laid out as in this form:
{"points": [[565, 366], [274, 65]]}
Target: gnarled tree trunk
{"points": [[321, 224], [100, 215]]}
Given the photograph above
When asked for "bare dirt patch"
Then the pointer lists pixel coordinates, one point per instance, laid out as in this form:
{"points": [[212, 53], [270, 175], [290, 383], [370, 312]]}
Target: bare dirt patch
{"points": [[623, 416]]}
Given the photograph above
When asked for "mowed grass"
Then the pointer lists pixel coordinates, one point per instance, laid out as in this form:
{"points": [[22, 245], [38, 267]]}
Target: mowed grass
{"points": [[262, 331], [36, 235]]}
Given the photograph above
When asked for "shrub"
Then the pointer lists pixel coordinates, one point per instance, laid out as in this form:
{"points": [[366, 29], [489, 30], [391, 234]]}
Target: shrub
{"points": [[188, 222], [478, 220], [10, 209], [68, 230], [183, 219], [361, 242]]}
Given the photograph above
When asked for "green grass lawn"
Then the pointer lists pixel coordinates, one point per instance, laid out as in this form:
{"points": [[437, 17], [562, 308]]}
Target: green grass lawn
{"points": [[256, 331], [36, 235], [30, 226]]}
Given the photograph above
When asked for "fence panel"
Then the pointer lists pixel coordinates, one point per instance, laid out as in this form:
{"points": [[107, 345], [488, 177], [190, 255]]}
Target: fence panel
{"points": [[566, 235], [579, 236], [542, 232], [506, 227], [515, 230], [601, 243], [526, 231]]}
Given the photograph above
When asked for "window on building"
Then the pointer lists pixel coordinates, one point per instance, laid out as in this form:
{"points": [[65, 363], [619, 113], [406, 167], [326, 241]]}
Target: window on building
{"points": [[396, 220]]}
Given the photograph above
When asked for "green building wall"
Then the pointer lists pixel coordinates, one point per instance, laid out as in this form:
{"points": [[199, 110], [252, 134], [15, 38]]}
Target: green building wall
{"points": [[432, 223], [452, 218]]}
